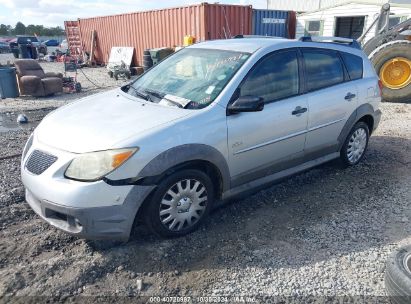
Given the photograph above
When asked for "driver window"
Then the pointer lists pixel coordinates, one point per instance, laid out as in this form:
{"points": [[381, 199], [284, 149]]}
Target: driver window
{"points": [[275, 77]]}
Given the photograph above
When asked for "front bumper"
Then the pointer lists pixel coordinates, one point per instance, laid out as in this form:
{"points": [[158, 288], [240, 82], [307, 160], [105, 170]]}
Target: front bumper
{"points": [[107, 222], [92, 210]]}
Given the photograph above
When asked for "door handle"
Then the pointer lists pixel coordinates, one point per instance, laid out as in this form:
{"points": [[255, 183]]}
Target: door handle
{"points": [[298, 111], [349, 96]]}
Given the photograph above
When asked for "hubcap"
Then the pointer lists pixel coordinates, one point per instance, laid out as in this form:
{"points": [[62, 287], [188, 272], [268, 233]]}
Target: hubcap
{"points": [[396, 73], [356, 145], [183, 204]]}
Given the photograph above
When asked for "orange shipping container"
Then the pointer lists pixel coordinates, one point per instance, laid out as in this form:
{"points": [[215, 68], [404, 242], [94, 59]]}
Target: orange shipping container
{"points": [[163, 28]]}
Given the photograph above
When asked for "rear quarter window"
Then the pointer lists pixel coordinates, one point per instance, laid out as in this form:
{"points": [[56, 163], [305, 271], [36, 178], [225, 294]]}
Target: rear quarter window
{"points": [[354, 65]]}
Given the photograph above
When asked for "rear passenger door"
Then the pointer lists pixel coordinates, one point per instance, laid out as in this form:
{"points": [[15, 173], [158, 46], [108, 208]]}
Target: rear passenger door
{"points": [[331, 99]]}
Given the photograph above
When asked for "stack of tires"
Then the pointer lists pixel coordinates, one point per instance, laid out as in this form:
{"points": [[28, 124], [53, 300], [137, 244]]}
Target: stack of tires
{"points": [[147, 60]]}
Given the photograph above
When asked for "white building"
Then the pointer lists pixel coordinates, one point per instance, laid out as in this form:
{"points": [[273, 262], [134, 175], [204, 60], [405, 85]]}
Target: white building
{"points": [[347, 20], [312, 5]]}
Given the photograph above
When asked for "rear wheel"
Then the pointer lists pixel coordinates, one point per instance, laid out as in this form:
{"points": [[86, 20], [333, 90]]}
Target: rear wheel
{"points": [[392, 62], [355, 144], [180, 204]]}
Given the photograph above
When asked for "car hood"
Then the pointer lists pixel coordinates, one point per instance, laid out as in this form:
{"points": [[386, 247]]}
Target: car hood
{"points": [[101, 121]]}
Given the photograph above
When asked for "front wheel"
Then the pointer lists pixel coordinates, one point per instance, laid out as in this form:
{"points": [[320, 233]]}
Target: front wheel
{"points": [[180, 204], [355, 144]]}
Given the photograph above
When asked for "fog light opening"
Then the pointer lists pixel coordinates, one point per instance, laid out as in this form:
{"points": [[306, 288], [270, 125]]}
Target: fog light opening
{"points": [[77, 222]]}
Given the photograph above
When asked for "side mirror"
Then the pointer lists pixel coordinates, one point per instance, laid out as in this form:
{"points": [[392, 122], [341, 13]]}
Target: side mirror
{"points": [[246, 104]]}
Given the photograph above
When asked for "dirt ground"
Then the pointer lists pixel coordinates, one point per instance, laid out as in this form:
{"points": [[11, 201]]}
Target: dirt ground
{"points": [[323, 234]]}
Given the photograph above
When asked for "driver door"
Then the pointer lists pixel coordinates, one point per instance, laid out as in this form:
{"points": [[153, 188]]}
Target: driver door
{"points": [[261, 143]]}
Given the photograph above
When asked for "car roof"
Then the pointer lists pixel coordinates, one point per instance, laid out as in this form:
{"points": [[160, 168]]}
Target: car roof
{"points": [[251, 45]]}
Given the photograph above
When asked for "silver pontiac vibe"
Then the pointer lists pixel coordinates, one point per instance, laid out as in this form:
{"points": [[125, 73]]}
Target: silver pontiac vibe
{"points": [[212, 121]]}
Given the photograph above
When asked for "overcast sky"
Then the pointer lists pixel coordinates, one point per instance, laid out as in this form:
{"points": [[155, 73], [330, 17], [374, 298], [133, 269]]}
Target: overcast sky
{"points": [[55, 12]]}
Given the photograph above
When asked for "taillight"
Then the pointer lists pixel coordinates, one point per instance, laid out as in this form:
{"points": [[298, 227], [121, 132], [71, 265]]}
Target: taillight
{"points": [[380, 85]]}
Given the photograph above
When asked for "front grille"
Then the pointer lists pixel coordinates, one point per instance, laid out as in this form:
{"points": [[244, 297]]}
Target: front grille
{"points": [[39, 161]]}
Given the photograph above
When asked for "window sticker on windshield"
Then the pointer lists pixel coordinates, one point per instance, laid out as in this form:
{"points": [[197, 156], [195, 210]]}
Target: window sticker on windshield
{"points": [[210, 90], [205, 100], [225, 61], [179, 100]]}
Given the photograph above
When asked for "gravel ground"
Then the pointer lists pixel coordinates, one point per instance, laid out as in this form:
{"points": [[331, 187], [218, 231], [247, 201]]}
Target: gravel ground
{"points": [[320, 236]]}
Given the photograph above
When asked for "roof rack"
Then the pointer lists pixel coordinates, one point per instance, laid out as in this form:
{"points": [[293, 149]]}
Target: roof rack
{"points": [[254, 36], [347, 41]]}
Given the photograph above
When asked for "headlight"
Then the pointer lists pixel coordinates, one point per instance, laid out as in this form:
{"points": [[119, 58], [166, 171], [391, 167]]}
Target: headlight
{"points": [[93, 166], [27, 147]]}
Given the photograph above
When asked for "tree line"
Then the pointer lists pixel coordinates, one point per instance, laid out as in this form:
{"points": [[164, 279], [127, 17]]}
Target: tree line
{"points": [[31, 29]]}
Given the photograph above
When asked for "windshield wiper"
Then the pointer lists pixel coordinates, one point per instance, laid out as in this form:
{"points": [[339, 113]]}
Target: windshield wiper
{"points": [[138, 93], [154, 93], [163, 96]]}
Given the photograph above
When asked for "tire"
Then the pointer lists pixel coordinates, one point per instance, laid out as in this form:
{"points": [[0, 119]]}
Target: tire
{"points": [[398, 276], [182, 207], [128, 75], [110, 73], [390, 50], [350, 152], [78, 87]]}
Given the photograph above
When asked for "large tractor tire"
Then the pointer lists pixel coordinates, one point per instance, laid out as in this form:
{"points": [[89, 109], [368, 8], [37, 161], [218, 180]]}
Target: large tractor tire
{"points": [[392, 62]]}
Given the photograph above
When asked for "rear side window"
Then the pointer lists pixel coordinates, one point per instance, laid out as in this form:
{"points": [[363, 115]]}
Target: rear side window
{"points": [[322, 69], [274, 78], [353, 64]]}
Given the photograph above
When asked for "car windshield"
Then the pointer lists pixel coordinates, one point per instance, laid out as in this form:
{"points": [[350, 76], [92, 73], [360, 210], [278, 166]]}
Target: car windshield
{"points": [[191, 78]]}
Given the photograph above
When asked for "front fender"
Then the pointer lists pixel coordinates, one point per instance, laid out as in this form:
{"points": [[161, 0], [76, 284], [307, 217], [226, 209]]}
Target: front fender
{"points": [[157, 167], [184, 153]]}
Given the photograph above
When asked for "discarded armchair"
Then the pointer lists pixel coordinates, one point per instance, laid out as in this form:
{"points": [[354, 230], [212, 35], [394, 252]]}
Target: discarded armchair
{"points": [[34, 81]]}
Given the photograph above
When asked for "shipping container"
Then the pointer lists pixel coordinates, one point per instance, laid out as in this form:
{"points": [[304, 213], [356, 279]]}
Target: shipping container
{"points": [[270, 23], [163, 28]]}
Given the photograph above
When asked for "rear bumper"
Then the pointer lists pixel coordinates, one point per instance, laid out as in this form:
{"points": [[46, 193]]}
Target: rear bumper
{"points": [[106, 222]]}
